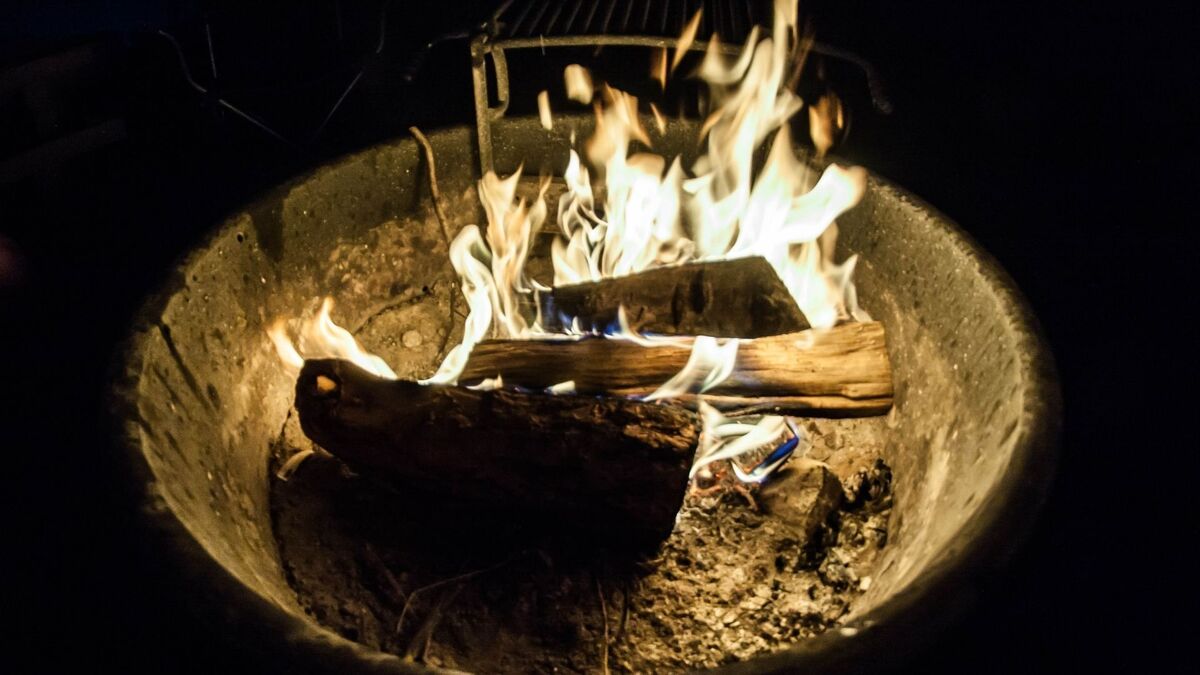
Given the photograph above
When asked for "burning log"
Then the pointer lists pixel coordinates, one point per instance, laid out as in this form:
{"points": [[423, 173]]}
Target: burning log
{"points": [[743, 297], [580, 463], [840, 372]]}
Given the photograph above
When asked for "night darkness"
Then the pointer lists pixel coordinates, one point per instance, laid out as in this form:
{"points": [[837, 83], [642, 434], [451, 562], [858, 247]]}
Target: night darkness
{"points": [[1053, 132]]}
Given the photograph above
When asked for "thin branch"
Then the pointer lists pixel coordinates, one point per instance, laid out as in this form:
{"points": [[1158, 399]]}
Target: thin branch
{"points": [[604, 618], [443, 222], [433, 186], [418, 648], [438, 584], [624, 613], [387, 573]]}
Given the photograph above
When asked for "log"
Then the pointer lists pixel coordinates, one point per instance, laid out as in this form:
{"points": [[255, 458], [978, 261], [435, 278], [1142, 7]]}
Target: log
{"points": [[743, 297], [840, 372], [808, 406], [570, 463]]}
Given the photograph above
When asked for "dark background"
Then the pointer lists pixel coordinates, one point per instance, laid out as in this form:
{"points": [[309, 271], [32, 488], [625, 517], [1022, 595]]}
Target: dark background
{"points": [[1055, 133]]}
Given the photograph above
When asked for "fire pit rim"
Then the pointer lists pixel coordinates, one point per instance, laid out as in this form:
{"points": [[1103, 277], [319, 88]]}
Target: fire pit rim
{"points": [[896, 626]]}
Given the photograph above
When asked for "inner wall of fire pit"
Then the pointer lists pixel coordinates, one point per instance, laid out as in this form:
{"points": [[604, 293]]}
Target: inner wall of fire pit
{"points": [[206, 397]]}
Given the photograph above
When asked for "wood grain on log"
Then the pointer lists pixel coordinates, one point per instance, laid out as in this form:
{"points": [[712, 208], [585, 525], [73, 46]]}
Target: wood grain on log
{"points": [[602, 464], [743, 297], [842, 371]]}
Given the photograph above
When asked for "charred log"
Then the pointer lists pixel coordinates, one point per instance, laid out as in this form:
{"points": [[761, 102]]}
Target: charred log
{"points": [[572, 463], [840, 372], [743, 297]]}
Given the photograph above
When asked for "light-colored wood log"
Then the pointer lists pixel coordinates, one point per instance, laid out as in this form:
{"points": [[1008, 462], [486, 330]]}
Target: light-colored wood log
{"points": [[844, 369]]}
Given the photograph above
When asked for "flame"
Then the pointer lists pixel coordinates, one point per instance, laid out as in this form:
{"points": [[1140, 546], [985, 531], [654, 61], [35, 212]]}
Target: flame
{"points": [[489, 384], [651, 218], [722, 439], [321, 338], [543, 101], [636, 210], [660, 122], [708, 365], [686, 38], [579, 83], [641, 226], [826, 120], [626, 332], [658, 66], [493, 273]]}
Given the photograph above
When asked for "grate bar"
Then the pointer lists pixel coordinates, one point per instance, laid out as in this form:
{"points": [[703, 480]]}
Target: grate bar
{"points": [[558, 8], [516, 25], [731, 19], [574, 13], [538, 17], [629, 13], [604, 27]]}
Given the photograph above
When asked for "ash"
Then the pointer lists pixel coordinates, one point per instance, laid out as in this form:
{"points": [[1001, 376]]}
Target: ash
{"points": [[745, 572]]}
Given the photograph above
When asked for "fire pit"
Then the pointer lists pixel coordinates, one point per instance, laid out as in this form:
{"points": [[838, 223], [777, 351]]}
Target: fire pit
{"points": [[203, 400], [537, 520]]}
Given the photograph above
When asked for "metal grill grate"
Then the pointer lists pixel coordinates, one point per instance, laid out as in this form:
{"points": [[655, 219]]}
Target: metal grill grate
{"points": [[730, 19], [524, 24]]}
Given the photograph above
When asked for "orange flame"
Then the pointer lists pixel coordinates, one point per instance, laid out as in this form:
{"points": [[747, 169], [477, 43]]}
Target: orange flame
{"points": [[652, 215]]}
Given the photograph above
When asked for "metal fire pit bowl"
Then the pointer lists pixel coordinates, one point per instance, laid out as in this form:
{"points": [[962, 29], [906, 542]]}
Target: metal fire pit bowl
{"points": [[201, 396]]}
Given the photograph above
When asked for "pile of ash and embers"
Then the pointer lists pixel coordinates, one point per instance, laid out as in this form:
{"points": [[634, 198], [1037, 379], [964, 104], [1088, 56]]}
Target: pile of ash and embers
{"points": [[744, 573], [747, 569]]}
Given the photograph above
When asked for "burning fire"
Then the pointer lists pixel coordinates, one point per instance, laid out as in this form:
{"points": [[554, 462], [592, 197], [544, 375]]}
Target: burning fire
{"points": [[654, 213]]}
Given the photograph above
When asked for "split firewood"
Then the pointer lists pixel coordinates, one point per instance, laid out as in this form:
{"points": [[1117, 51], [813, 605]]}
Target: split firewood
{"points": [[572, 463], [742, 297], [840, 372]]}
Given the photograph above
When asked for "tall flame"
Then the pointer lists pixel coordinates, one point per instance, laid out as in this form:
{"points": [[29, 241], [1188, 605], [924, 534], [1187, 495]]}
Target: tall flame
{"points": [[653, 215], [493, 273], [651, 218]]}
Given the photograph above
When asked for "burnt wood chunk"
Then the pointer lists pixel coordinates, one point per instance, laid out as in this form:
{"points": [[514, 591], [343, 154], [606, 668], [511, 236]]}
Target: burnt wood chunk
{"points": [[802, 496], [743, 297], [571, 463], [840, 372]]}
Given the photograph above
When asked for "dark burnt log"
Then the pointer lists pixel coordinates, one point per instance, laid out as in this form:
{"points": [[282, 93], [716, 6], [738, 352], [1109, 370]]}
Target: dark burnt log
{"points": [[743, 297], [839, 372], [572, 463]]}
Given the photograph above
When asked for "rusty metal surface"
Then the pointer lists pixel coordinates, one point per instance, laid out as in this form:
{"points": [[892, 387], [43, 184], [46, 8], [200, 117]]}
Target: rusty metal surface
{"points": [[971, 440]]}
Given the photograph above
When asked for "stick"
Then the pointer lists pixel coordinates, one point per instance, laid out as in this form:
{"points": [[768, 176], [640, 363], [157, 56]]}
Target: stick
{"points": [[843, 371], [382, 567], [567, 464], [454, 579], [436, 196], [604, 619], [743, 297]]}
